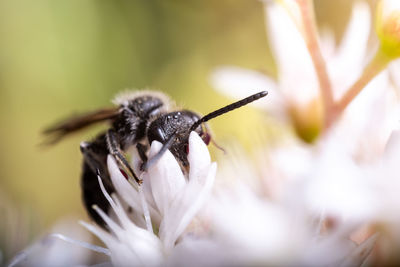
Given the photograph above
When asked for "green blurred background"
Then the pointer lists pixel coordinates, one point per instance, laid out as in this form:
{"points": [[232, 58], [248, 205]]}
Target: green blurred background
{"points": [[58, 57]]}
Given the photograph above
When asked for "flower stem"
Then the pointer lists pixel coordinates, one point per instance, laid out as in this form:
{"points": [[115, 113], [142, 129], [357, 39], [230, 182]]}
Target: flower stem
{"points": [[310, 33], [377, 64]]}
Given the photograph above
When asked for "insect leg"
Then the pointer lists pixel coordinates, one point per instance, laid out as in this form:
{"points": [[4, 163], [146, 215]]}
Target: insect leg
{"points": [[94, 159], [146, 165], [142, 151], [115, 150]]}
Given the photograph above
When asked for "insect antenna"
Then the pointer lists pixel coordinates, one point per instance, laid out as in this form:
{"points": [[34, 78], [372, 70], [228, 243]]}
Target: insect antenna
{"points": [[228, 108]]}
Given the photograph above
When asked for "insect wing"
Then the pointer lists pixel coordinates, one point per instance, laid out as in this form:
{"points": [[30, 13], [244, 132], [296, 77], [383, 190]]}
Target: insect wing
{"points": [[78, 122]]}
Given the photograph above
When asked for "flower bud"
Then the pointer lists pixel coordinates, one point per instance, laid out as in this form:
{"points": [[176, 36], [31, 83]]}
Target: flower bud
{"points": [[307, 119], [388, 27]]}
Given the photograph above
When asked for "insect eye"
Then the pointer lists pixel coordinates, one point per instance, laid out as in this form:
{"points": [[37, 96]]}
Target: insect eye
{"points": [[206, 138]]}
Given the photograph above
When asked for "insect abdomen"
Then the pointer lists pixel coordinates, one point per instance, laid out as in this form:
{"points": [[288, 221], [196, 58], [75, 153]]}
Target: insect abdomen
{"points": [[92, 195], [94, 165]]}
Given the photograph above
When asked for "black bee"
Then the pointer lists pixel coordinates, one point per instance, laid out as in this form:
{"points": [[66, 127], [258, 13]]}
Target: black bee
{"points": [[138, 119]]}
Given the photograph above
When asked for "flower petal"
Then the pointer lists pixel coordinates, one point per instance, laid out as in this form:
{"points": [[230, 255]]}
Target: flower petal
{"points": [[348, 63], [354, 128], [166, 178], [126, 191], [185, 206], [256, 228], [129, 241], [199, 157], [297, 75], [121, 254], [239, 83], [123, 187], [337, 186]]}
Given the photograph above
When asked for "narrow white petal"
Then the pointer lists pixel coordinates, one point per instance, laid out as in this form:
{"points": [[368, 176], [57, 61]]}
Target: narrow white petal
{"points": [[136, 163], [127, 225], [350, 58], [184, 208], [82, 244], [297, 75], [143, 242], [354, 43], [123, 187], [166, 178], [239, 83], [114, 227], [128, 193], [328, 43], [148, 195], [130, 246], [104, 236], [199, 157], [354, 128]]}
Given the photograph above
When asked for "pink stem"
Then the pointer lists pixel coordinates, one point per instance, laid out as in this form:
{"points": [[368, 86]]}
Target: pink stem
{"points": [[377, 64], [310, 32]]}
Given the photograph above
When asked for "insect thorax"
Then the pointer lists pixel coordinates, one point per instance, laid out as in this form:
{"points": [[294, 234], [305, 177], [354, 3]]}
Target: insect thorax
{"points": [[134, 117]]}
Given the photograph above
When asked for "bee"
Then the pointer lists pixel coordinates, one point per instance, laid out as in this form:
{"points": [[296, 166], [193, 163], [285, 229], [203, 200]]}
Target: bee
{"points": [[138, 119]]}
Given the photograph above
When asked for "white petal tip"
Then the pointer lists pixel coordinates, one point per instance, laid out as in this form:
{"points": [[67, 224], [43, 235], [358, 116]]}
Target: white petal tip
{"points": [[154, 148]]}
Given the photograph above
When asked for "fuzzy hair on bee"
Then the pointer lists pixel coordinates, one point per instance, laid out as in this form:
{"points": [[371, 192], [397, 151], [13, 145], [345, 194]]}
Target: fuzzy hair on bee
{"points": [[123, 98], [138, 119]]}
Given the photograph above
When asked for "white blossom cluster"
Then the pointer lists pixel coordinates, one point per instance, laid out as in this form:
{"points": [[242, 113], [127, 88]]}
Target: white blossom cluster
{"points": [[334, 202]]}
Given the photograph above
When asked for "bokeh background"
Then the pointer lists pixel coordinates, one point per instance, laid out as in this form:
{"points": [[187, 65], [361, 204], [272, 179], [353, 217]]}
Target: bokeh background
{"points": [[60, 57]]}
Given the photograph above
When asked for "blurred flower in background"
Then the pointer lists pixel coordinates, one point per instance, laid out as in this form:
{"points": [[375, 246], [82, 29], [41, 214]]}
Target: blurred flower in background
{"points": [[324, 193], [344, 102]]}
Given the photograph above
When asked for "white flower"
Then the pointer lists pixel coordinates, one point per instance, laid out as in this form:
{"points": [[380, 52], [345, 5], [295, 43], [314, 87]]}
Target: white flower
{"points": [[304, 204], [295, 93], [297, 82], [297, 85], [254, 226], [152, 225], [255, 231], [172, 199], [343, 182]]}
